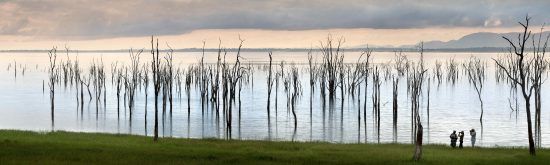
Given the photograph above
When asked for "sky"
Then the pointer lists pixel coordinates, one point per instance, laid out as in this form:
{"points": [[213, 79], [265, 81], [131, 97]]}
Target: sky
{"points": [[105, 24]]}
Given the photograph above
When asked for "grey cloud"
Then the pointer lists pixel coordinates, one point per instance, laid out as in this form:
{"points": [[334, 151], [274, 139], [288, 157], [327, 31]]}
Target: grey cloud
{"points": [[102, 18]]}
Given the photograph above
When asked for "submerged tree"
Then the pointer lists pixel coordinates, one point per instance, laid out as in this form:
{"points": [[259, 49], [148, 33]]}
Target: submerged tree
{"points": [[453, 70], [155, 68], [145, 79], [476, 76], [332, 62], [376, 101], [395, 84], [169, 78], [356, 76], [540, 67], [269, 87], [312, 78], [133, 81], [188, 81], [401, 66], [366, 71], [294, 91], [53, 78]]}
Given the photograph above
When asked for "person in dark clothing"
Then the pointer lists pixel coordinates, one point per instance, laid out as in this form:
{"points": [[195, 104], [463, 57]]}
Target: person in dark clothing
{"points": [[461, 136], [453, 139], [473, 134]]}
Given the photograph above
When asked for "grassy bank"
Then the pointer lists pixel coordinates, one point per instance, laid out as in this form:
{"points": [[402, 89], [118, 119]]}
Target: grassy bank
{"points": [[23, 147]]}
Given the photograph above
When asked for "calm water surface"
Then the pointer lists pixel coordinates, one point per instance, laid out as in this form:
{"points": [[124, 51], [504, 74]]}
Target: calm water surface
{"points": [[24, 105]]}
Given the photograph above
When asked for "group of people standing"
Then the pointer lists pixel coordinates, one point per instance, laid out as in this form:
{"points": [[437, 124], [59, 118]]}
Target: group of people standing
{"points": [[454, 137]]}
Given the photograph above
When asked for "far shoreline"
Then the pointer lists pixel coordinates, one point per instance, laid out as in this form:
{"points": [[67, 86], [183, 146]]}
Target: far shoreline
{"points": [[452, 50]]}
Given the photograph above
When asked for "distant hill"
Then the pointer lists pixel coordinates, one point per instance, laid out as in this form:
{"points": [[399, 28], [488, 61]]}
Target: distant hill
{"points": [[477, 40]]}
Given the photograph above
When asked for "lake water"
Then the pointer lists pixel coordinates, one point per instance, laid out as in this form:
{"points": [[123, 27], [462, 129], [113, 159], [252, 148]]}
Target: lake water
{"points": [[25, 106]]}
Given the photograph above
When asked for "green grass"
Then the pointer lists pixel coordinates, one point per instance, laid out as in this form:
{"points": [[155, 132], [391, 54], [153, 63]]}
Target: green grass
{"points": [[25, 147]]}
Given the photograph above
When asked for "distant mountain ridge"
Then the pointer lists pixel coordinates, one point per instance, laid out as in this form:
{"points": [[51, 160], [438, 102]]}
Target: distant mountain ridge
{"points": [[479, 40]]}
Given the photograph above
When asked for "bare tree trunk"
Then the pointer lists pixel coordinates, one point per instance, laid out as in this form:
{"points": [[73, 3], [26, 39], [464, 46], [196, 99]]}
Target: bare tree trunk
{"points": [[156, 81], [395, 107], [269, 87], [428, 107], [418, 143], [537, 116], [81, 98], [530, 129]]}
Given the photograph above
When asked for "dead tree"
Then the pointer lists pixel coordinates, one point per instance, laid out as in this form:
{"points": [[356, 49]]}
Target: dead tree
{"points": [[119, 79], [332, 59], [188, 81], [231, 76], [438, 73], [355, 78], [216, 87], [540, 67], [401, 66], [452, 71], [15, 69], [133, 81], [168, 83], [476, 76], [97, 75], [170, 76], [312, 78], [145, 79], [295, 91], [366, 71], [81, 96], [164, 90], [278, 77], [155, 68], [52, 77], [269, 87], [416, 80], [76, 78], [395, 107], [525, 65], [376, 101]]}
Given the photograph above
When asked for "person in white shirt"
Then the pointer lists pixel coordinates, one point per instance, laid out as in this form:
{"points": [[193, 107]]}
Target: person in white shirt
{"points": [[473, 134]]}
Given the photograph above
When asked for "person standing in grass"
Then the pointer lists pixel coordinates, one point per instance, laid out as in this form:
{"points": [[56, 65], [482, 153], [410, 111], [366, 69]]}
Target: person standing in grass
{"points": [[473, 135], [453, 139], [461, 136]]}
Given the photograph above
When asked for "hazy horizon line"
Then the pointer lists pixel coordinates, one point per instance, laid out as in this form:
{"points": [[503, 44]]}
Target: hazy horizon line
{"points": [[377, 49]]}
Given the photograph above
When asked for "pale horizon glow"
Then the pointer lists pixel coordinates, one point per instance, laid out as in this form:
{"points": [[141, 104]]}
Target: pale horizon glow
{"points": [[255, 38]]}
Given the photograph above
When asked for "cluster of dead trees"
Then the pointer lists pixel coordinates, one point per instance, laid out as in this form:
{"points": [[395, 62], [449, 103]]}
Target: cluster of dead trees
{"points": [[526, 71]]}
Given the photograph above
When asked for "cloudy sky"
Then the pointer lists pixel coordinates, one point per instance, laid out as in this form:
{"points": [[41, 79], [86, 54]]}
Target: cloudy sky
{"points": [[105, 24]]}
